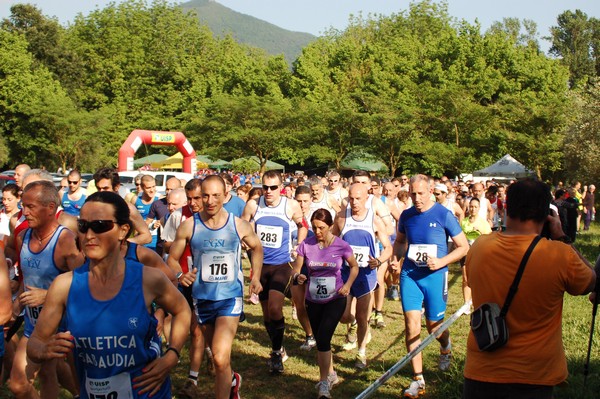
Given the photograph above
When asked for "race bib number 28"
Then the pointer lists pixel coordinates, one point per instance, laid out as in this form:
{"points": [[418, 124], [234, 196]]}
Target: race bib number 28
{"points": [[420, 253]]}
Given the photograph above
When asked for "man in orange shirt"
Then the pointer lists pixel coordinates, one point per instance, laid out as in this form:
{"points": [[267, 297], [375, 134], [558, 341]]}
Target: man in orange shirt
{"points": [[533, 361]]}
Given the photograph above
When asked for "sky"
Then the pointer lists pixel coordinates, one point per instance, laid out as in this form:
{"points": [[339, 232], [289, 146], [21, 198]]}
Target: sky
{"points": [[301, 16]]}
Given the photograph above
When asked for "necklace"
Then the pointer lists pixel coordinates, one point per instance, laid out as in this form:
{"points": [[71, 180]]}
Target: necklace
{"points": [[41, 239], [321, 245]]}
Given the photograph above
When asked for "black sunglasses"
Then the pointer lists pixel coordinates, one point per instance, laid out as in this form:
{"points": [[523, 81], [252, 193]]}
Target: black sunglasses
{"points": [[272, 188], [72, 182], [97, 226]]}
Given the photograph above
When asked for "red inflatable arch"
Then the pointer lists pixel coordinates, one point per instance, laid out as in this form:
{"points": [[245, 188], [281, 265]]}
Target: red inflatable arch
{"points": [[139, 137]]}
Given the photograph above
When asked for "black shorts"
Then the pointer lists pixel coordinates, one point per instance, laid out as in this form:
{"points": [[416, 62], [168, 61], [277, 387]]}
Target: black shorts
{"points": [[276, 277]]}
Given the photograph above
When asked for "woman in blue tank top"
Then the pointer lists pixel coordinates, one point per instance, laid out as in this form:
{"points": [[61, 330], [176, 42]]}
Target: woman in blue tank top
{"points": [[107, 304]]}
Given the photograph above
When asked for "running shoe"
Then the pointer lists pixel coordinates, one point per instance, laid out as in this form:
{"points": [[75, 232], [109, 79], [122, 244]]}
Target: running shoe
{"points": [[379, 322], [351, 334], [276, 363], [323, 390], [348, 346], [445, 359], [415, 389], [333, 379], [236, 384], [372, 318], [308, 343], [394, 293], [361, 361]]}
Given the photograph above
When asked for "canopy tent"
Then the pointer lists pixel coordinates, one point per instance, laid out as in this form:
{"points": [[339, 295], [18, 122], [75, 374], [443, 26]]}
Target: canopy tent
{"points": [[202, 161], [175, 162], [213, 163], [138, 163], [506, 167], [366, 162], [270, 165]]}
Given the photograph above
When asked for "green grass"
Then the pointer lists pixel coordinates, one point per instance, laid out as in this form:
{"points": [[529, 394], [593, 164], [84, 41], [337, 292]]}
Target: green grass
{"points": [[251, 350]]}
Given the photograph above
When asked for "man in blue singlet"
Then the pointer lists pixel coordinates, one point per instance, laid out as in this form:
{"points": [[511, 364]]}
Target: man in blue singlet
{"points": [[361, 228], [215, 238], [273, 216], [46, 250], [143, 202], [421, 240], [73, 197]]}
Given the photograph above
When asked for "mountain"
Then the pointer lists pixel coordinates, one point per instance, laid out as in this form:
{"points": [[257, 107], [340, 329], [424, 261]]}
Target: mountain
{"points": [[249, 30]]}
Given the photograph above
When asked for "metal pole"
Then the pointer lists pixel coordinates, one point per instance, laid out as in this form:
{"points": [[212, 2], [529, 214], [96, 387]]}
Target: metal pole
{"points": [[402, 362], [586, 366]]}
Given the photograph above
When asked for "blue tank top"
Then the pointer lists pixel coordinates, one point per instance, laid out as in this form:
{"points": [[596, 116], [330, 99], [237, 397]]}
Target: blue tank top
{"points": [[39, 269], [144, 210], [360, 234], [273, 228], [72, 207], [217, 256], [114, 339]]}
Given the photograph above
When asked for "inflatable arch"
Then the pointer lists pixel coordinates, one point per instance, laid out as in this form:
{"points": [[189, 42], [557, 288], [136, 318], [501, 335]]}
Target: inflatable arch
{"points": [[139, 137]]}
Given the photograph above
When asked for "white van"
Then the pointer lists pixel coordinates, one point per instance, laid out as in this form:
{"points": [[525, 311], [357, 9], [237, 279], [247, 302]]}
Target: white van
{"points": [[161, 178]]}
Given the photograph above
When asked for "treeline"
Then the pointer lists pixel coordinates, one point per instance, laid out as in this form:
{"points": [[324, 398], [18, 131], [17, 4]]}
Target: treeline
{"points": [[418, 89]]}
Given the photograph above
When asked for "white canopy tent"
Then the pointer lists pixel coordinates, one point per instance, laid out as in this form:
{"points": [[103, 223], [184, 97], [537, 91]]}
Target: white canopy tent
{"points": [[506, 167]]}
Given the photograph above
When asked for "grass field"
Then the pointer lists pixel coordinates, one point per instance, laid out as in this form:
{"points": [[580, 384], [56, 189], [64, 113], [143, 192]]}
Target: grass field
{"points": [[251, 350]]}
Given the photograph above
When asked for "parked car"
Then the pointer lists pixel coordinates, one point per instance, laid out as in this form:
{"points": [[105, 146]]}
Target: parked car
{"points": [[4, 180]]}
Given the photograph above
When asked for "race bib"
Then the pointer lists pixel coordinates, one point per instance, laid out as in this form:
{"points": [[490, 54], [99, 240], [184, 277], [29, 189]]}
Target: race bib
{"points": [[115, 387], [321, 288], [420, 253], [218, 268], [33, 312], [270, 236], [361, 254]]}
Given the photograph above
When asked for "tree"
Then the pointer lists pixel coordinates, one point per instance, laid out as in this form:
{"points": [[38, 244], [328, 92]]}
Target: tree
{"points": [[575, 40]]}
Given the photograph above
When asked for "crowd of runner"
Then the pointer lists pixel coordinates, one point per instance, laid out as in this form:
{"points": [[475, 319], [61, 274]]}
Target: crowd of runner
{"points": [[110, 285]]}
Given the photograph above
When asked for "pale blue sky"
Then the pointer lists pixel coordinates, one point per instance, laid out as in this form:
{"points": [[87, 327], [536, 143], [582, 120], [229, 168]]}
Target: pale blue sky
{"points": [[316, 16]]}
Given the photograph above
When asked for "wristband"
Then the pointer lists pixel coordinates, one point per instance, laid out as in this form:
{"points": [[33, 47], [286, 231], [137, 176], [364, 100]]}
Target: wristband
{"points": [[178, 275], [379, 262], [170, 348]]}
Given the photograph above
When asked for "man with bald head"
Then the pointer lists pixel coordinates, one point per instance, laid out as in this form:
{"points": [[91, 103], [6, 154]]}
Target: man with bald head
{"points": [[159, 210], [486, 212], [421, 241], [360, 227], [20, 170]]}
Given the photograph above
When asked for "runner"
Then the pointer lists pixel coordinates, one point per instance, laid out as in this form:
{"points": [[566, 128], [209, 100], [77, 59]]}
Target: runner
{"points": [[359, 227], [47, 249], [273, 217], [74, 197], [326, 295], [421, 240], [233, 204], [143, 202], [107, 179], [158, 211], [107, 304], [321, 199], [335, 189], [217, 279], [183, 269]]}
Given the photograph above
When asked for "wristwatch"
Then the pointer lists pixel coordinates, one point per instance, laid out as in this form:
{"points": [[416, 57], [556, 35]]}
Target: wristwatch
{"points": [[178, 275]]}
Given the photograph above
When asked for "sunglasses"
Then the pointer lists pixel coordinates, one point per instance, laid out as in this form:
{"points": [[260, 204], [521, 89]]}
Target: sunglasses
{"points": [[272, 188], [437, 194], [97, 226], [333, 181], [72, 182]]}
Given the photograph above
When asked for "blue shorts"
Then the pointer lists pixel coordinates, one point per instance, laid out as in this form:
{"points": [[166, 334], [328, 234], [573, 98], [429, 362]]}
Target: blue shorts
{"points": [[207, 312], [428, 288], [31, 316], [366, 281]]}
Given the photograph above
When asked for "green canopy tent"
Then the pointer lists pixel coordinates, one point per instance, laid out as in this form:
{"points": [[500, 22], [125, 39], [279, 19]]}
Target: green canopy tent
{"points": [[366, 162], [138, 163], [213, 163], [271, 165]]}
